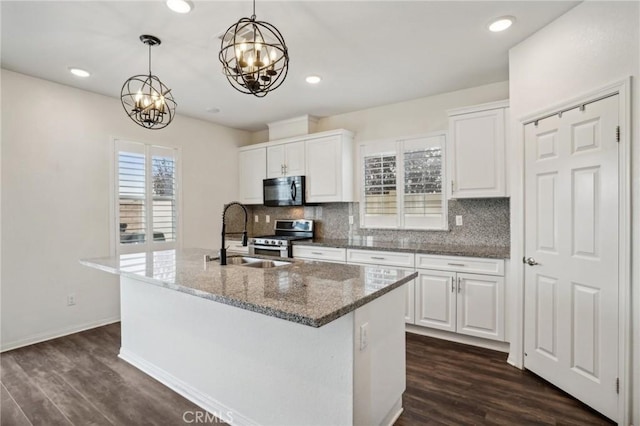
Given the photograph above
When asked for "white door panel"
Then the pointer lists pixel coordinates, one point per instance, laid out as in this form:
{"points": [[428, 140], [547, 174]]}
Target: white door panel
{"points": [[571, 216]]}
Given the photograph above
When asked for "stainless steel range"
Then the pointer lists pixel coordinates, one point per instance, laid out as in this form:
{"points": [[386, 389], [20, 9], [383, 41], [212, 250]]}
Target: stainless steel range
{"points": [[286, 231]]}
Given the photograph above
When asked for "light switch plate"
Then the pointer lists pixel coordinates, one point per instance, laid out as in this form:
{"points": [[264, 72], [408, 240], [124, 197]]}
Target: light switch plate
{"points": [[267, 218], [350, 220], [458, 220], [257, 219]]}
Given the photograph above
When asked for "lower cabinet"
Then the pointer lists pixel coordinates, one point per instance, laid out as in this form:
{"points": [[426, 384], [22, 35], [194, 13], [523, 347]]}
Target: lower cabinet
{"points": [[457, 294], [461, 302], [400, 260]]}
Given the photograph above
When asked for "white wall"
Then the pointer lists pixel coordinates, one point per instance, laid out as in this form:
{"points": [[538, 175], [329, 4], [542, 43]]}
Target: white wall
{"points": [[56, 151], [418, 116], [592, 45]]}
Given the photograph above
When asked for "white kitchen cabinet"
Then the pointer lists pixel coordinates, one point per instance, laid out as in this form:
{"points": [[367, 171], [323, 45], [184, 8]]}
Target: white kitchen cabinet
{"points": [[404, 261], [462, 302], [318, 253], [435, 300], [476, 150], [287, 159], [252, 171], [480, 306], [326, 159], [329, 168]]}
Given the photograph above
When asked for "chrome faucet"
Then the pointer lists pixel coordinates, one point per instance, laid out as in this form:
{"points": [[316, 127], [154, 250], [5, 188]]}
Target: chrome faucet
{"points": [[223, 249]]}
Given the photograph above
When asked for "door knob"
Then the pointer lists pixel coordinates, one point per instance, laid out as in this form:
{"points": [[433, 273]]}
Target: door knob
{"points": [[529, 261]]}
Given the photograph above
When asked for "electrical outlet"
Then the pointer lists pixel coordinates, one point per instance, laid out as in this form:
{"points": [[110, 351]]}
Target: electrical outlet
{"points": [[267, 218], [256, 219], [350, 220], [458, 220], [364, 336], [71, 299]]}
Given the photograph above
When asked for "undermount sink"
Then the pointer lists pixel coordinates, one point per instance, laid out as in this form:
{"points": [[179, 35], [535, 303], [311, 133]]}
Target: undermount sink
{"points": [[255, 262]]}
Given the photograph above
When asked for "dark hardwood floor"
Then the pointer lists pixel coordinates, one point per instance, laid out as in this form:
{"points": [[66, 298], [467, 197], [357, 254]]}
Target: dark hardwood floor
{"points": [[78, 380]]}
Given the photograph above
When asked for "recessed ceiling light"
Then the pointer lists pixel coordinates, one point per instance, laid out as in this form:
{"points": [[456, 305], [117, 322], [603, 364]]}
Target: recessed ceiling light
{"points": [[213, 110], [180, 6], [501, 23], [79, 72], [313, 79]]}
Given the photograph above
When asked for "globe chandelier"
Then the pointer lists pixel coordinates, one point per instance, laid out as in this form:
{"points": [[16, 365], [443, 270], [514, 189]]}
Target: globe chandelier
{"points": [[147, 100], [254, 56]]}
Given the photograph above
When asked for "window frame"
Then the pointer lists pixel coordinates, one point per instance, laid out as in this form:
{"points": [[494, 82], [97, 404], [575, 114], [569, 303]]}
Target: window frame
{"points": [[398, 147], [148, 150]]}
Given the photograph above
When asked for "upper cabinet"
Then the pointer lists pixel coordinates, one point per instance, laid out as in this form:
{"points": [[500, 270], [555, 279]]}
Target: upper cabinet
{"points": [[476, 151], [326, 159], [329, 164], [253, 169], [287, 159]]}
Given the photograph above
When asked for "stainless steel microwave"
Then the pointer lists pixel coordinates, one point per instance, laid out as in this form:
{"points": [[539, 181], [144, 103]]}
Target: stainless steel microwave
{"points": [[283, 191]]}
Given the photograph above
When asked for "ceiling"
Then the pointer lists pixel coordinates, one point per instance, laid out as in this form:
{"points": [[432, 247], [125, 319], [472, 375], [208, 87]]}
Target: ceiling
{"points": [[369, 53]]}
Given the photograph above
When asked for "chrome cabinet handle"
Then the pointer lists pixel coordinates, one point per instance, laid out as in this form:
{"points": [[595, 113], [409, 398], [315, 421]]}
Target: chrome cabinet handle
{"points": [[458, 284], [452, 286], [377, 257], [456, 264], [317, 252], [529, 261]]}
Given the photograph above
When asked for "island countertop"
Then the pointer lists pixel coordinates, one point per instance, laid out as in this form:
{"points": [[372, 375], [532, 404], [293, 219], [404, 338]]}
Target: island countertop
{"points": [[308, 293]]}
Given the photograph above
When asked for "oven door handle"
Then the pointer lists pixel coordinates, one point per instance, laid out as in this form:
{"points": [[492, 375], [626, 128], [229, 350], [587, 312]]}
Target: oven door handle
{"points": [[294, 191]]}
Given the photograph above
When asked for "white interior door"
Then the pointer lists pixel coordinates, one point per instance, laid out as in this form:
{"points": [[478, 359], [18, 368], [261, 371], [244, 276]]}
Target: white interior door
{"points": [[571, 281]]}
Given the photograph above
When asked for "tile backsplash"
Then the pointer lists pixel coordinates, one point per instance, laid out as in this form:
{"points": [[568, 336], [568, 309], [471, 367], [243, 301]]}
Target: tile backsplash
{"points": [[485, 222]]}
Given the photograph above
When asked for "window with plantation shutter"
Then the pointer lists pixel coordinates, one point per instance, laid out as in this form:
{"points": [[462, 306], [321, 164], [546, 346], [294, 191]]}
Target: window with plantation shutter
{"points": [[146, 197], [402, 183]]}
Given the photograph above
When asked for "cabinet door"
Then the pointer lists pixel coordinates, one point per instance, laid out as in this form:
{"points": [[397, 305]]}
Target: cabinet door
{"points": [[324, 169], [275, 161], [435, 304], [477, 153], [480, 306], [294, 159], [253, 169]]}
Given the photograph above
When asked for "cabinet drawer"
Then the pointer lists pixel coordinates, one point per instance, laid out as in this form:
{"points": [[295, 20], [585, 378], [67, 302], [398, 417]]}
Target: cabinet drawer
{"points": [[387, 258], [461, 264], [327, 254]]}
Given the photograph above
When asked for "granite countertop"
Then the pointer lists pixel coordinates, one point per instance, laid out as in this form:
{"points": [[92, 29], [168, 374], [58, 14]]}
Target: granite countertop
{"points": [[309, 293], [402, 245]]}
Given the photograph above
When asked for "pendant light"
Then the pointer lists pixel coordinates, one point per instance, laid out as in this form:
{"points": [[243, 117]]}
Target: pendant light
{"points": [[254, 56], [146, 99]]}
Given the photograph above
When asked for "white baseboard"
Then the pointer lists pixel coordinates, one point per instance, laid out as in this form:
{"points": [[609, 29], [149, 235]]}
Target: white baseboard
{"points": [[458, 338], [393, 414], [43, 337], [202, 400]]}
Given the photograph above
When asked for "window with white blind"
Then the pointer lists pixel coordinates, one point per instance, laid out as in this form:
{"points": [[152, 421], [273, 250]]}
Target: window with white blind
{"points": [[146, 190], [402, 183]]}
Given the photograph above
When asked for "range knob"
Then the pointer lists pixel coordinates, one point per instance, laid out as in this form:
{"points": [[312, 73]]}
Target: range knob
{"points": [[279, 243]]}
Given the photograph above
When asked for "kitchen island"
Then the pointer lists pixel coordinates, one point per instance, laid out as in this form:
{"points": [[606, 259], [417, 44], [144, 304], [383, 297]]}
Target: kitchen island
{"points": [[305, 343]]}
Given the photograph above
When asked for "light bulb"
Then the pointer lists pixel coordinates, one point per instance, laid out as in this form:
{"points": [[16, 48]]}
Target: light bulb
{"points": [[243, 47], [274, 55], [138, 95], [501, 24]]}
